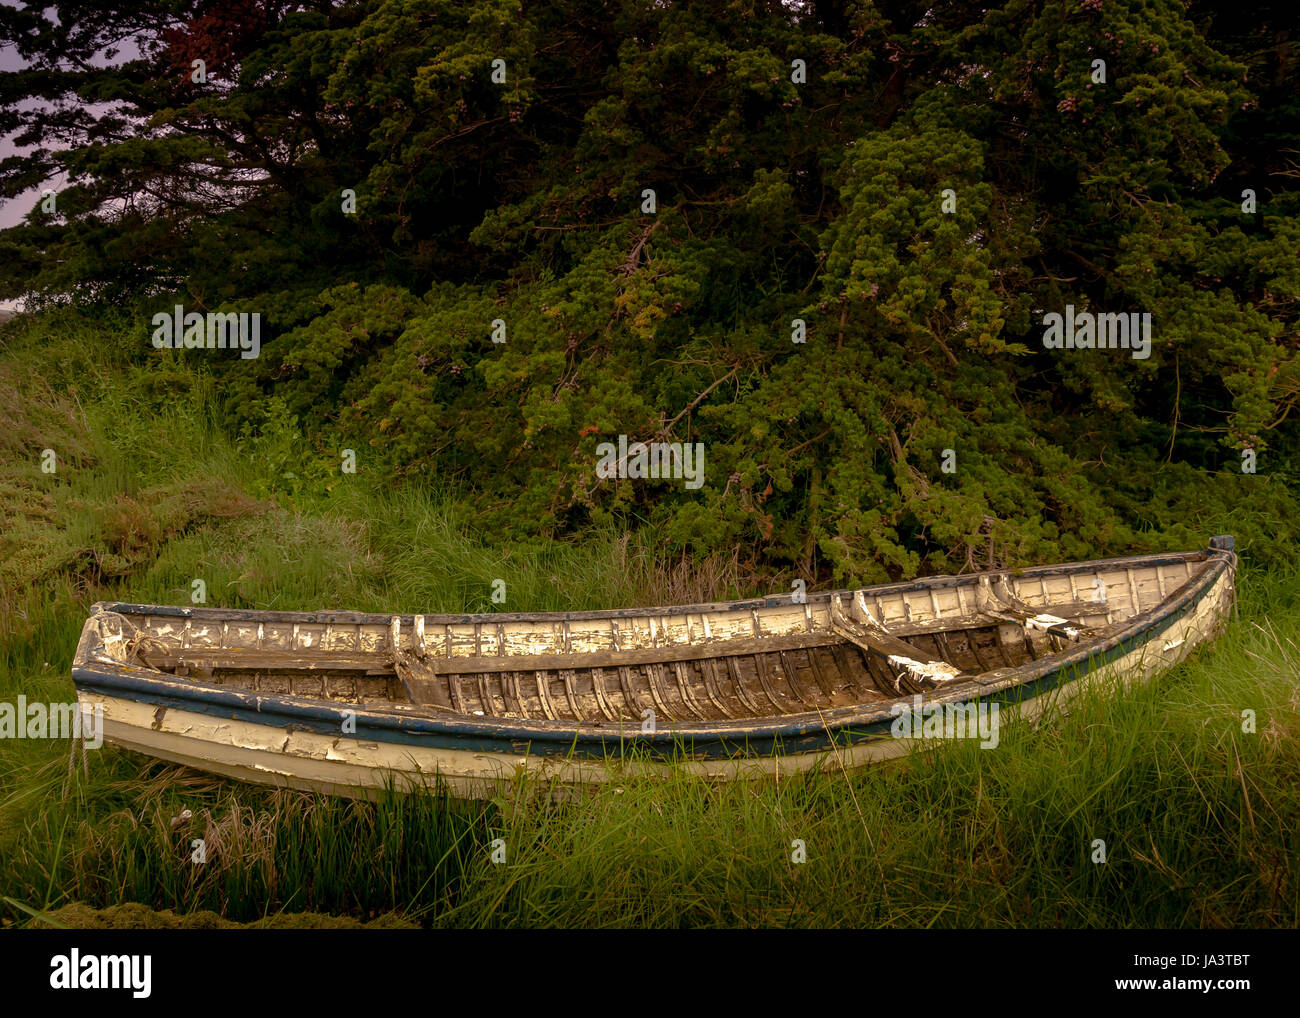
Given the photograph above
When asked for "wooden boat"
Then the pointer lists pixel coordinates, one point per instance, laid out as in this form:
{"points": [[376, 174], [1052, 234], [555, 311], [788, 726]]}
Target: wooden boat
{"points": [[344, 702]]}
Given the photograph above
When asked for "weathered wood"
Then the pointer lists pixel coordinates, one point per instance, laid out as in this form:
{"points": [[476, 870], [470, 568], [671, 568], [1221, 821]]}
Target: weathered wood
{"points": [[630, 658], [1001, 603], [259, 695], [236, 658], [1081, 608], [421, 684], [905, 660], [750, 659]]}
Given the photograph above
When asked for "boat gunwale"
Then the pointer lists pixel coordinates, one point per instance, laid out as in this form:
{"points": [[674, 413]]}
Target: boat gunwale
{"points": [[419, 723]]}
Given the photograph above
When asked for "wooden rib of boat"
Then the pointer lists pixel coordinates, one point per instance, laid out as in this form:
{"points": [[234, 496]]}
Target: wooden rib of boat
{"points": [[345, 702]]}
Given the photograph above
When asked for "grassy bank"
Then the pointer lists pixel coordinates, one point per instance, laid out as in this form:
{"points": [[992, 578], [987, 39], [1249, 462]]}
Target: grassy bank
{"points": [[151, 492]]}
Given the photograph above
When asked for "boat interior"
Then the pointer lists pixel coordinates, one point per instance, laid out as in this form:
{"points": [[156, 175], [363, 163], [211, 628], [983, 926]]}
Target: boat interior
{"points": [[749, 659]]}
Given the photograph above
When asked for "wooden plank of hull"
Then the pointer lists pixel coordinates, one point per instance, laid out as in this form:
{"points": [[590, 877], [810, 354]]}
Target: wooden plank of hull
{"points": [[253, 660], [925, 670], [999, 601], [620, 658], [672, 688], [269, 754]]}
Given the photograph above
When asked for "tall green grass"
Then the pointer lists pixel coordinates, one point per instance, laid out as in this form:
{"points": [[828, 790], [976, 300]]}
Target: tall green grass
{"points": [[1199, 818]]}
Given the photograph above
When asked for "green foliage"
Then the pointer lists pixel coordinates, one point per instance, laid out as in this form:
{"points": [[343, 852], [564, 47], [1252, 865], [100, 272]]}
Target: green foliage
{"points": [[283, 461], [932, 189]]}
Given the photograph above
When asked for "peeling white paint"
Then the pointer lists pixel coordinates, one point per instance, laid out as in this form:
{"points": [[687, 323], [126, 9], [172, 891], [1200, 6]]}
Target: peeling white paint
{"points": [[937, 671], [1046, 622]]}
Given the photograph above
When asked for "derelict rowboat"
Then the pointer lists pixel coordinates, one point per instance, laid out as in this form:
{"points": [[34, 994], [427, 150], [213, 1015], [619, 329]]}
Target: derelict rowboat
{"points": [[344, 702]]}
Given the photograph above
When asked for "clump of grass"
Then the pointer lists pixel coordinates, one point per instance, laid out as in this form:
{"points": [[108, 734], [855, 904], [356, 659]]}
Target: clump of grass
{"points": [[177, 840]]}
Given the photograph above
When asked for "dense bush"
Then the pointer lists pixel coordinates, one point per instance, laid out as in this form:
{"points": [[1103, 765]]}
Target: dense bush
{"points": [[940, 180]]}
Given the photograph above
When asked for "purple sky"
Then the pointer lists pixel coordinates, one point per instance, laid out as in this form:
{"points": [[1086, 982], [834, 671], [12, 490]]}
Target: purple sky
{"points": [[15, 210]]}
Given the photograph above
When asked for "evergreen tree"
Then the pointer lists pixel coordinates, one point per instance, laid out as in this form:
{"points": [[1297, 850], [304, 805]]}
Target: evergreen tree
{"points": [[918, 184]]}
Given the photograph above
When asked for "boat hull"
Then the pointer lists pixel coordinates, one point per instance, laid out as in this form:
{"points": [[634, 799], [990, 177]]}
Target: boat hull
{"points": [[338, 749]]}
